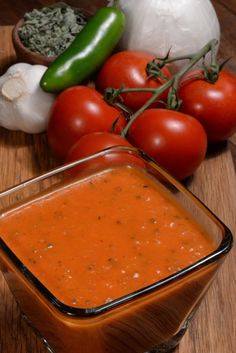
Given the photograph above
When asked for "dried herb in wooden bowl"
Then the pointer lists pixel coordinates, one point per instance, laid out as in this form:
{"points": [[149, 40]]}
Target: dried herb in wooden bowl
{"points": [[51, 30]]}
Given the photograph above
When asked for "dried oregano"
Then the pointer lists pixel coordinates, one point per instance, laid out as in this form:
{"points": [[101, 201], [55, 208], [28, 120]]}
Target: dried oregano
{"points": [[49, 31]]}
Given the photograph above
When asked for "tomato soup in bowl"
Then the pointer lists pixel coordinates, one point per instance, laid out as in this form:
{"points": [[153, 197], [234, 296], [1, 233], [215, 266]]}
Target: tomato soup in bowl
{"points": [[113, 261]]}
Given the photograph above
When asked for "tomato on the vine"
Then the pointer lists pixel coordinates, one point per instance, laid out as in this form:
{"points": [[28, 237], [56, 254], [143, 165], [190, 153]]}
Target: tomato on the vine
{"points": [[213, 104], [77, 111], [97, 141], [128, 69], [175, 140]]}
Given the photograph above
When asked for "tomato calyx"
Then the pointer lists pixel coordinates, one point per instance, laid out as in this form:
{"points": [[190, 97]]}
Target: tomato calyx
{"points": [[208, 73], [113, 96], [211, 73], [154, 67]]}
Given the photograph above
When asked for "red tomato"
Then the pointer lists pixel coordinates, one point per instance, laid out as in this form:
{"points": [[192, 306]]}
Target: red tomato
{"points": [[97, 141], [176, 141], [128, 69], [214, 105], [78, 111]]}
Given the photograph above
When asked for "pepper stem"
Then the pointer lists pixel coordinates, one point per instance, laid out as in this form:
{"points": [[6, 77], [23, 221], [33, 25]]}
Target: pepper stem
{"points": [[116, 3]]}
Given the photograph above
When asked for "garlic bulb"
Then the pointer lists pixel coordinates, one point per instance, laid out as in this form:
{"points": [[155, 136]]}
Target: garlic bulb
{"points": [[23, 104], [184, 26]]}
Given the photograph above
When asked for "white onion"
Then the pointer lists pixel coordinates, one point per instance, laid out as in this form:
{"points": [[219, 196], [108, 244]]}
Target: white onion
{"points": [[155, 26]]}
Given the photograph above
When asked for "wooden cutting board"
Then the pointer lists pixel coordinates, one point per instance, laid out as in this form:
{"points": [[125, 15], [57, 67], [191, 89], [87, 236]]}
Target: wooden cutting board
{"points": [[213, 330]]}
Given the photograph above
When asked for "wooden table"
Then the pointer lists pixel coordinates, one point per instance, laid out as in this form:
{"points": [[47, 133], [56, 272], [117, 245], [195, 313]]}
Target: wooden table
{"points": [[213, 329]]}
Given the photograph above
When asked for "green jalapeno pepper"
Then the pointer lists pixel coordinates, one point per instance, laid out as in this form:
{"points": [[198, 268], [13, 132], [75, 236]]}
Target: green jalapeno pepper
{"points": [[87, 52]]}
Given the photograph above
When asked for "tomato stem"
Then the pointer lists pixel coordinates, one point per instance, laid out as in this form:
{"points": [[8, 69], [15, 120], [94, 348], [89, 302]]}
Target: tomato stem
{"points": [[211, 73], [151, 100], [173, 101]]}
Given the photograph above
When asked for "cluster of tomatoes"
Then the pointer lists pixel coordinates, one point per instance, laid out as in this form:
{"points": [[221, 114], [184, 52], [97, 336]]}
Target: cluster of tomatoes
{"points": [[81, 120]]}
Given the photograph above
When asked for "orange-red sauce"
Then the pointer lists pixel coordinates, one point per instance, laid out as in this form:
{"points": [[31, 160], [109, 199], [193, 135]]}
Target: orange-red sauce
{"points": [[104, 236]]}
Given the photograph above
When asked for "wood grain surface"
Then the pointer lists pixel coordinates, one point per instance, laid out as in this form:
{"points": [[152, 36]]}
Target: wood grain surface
{"points": [[213, 329]]}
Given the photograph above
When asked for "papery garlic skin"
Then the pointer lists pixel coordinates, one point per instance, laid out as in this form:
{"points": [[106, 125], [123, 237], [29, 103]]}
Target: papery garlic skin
{"points": [[23, 104], [156, 26]]}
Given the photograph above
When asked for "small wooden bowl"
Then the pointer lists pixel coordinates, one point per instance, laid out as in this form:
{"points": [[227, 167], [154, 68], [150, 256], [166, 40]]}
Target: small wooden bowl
{"points": [[26, 55]]}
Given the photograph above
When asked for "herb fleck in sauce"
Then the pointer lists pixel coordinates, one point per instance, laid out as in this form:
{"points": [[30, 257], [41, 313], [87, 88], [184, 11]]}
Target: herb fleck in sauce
{"points": [[95, 240]]}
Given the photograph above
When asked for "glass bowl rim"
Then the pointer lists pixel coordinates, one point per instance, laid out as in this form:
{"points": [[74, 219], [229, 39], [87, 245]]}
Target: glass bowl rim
{"points": [[223, 248]]}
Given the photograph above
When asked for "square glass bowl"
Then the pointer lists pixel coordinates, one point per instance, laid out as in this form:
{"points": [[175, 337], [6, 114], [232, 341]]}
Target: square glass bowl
{"points": [[149, 320]]}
